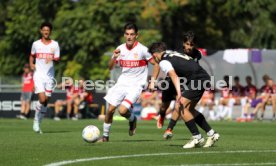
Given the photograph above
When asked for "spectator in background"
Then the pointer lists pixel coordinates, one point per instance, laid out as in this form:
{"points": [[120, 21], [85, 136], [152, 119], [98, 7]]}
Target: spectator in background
{"points": [[71, 94], [273, 98], [268, 98], [79, 100], [265, 78], [250, 99], [224, 99], [150, 104], [27, 91], [237, 93], [207, 99]]}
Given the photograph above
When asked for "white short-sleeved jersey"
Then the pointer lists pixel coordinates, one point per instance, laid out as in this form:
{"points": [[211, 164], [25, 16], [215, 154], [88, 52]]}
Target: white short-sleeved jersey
{"points": [[43, 51], [134, 63]]}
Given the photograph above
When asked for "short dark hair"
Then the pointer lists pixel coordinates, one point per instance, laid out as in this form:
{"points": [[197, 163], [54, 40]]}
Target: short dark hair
{"points": [[248, 78], [236, 78], [190, 36], [46, 24], [131, 26], [266, 77], [226, 78], [157, 47]]}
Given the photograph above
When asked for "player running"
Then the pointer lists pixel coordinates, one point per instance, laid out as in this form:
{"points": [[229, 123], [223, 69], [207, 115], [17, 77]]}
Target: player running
{"points": [[178, 65], [44, 52], [133, 57]]}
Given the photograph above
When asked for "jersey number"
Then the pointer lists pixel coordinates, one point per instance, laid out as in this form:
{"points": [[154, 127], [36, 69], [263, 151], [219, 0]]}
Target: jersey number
{"points": [[184, 56]]}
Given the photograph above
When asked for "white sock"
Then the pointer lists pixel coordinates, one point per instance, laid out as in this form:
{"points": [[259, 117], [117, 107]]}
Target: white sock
{"points": [[230, 111], [131, 118], [212, 115], [197, 136], [210, 133], [243, 103], [42, 113], [201, 109], [38, 108], [220, 111], [106, 129], [225, 111]]}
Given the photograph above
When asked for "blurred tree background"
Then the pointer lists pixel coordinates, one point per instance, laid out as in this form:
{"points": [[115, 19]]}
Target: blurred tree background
{"points": [[87, 30]]}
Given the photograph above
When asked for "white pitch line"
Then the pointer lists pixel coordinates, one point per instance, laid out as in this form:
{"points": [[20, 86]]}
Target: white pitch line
{"points": [[155, 154]]}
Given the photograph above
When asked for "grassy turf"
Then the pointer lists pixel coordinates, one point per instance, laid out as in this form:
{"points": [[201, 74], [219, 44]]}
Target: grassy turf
{"points": [[19, 145]]}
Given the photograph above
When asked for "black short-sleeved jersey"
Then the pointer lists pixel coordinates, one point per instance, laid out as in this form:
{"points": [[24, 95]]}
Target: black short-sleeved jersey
{"points": [[185, 66]]}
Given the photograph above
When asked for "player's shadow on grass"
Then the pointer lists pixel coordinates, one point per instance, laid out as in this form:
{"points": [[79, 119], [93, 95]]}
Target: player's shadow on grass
{"points": [[181, 139], [175, 145], [141, 140], [54, 132]]}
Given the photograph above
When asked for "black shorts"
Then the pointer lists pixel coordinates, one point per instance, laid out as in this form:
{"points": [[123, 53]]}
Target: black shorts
{"points": [[168, 94], [188, 91], [195, 89], [194, 95]]}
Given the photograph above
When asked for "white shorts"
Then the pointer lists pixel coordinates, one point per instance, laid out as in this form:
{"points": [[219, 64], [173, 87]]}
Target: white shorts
{"points": [[44, 85], [122, 94]]}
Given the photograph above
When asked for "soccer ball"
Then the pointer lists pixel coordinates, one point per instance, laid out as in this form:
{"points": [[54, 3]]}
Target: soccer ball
{"points": [[90, 134]]}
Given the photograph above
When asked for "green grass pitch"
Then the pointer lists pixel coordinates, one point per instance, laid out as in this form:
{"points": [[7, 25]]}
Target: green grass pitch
{"points": [[240, 144]]}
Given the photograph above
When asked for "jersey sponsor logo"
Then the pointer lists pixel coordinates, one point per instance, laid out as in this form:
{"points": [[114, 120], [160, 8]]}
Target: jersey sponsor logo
{"points": [[44, 55], [52, 50], [133, 63], [135, 55]]}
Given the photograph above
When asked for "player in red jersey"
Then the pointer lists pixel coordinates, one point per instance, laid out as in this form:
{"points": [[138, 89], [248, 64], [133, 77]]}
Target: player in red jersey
{"points": [[27, 91], [133, 57], [44, 52]]}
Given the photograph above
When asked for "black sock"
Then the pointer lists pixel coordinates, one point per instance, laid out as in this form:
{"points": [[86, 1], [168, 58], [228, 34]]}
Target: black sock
{"points": [[273, 115], [171, 124], [201, 121], [262, 115], [162, 113], [192, 127]]}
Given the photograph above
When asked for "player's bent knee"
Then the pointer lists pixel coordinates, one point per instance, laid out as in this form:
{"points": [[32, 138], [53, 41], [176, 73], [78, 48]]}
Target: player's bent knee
{"points": [[111, 111], [43, 101], [123, 110]]}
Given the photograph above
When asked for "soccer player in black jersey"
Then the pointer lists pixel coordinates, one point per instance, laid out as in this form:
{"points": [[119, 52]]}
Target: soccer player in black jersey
{"points": [[168, 95], [177, 66]]}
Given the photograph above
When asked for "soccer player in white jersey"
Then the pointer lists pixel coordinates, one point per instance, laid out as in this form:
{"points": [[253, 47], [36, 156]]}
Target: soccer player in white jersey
{"points": [[44, 52], [133, 58]]}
